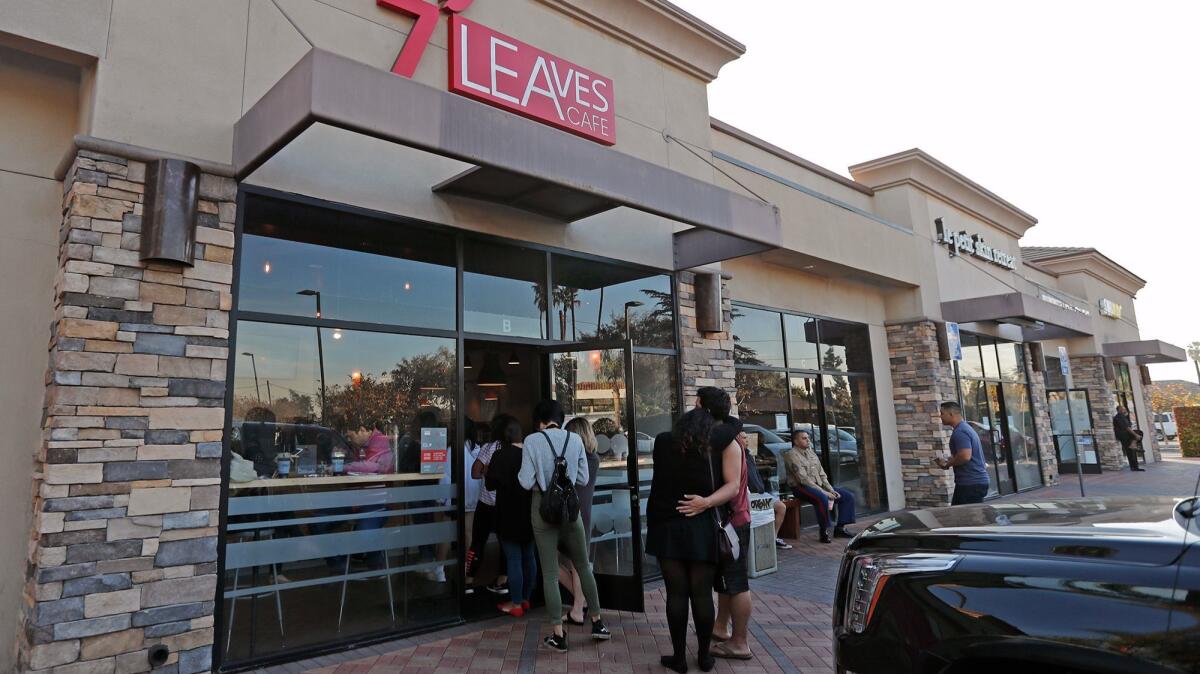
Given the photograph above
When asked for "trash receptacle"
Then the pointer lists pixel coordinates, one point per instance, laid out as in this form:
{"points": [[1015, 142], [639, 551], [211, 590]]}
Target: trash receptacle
{"points": [[763, 559]]}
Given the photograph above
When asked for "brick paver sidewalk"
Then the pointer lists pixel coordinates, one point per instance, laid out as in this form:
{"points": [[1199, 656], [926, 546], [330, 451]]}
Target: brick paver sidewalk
{"points": [[790, 631]]}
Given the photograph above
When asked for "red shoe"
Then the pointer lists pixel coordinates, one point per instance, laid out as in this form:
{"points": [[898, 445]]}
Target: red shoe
{"points": [[515, 611], [525, 606]]}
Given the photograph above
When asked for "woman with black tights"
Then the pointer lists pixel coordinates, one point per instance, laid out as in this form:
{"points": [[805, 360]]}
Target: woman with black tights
{"points": [[697, 466]]}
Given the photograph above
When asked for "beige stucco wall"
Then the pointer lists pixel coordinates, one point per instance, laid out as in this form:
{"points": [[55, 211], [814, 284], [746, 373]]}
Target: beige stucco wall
{"points": [[39, 102]]}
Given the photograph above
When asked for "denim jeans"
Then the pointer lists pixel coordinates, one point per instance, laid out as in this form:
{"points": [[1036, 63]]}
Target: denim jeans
{"points": [[522, 569]]}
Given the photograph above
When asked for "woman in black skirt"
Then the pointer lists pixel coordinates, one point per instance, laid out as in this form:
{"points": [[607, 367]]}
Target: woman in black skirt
{"points": [[697, 467]]}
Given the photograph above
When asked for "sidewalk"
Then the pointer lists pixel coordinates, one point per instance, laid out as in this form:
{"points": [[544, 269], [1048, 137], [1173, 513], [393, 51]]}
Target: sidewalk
{"points": [[790, 631]]}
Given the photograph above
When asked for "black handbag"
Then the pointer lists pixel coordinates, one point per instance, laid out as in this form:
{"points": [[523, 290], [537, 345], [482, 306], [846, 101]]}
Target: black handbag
{"points": [[560, 501]]}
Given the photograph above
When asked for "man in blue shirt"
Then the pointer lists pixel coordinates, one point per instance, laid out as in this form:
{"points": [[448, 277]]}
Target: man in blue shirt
{"points": [[966, 458]]}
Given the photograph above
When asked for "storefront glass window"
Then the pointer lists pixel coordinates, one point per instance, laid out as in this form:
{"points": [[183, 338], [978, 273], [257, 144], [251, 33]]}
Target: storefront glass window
{"points": [[854, 459], [987, 353], [971, 364], [757, 337], [590, 299], [762, 399], [341, 259], [803, 352], [341, 508], [1023, 435], [779, 399], [504, 290], [1012, 361]]}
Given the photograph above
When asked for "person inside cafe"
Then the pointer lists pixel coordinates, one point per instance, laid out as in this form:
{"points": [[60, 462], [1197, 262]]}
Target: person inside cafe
{"points": [[808, 480], [374, 450]]}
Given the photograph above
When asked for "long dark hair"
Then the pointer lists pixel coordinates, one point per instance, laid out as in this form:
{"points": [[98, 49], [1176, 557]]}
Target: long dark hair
{"points": [[692, 430]]}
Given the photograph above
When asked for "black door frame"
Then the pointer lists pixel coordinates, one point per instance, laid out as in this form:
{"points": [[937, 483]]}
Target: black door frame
{"points": [[623, 593]]}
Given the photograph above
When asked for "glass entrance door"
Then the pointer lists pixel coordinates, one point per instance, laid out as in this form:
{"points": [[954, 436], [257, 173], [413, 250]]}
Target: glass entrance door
{"points": [[596, 382], [1001, 442]]}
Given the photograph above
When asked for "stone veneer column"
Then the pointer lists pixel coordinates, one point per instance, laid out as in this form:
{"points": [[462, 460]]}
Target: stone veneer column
{"points": [[1041, 421], [1088, 373], [707, 357], [123, 553], [920, 382], [1150, 435]]}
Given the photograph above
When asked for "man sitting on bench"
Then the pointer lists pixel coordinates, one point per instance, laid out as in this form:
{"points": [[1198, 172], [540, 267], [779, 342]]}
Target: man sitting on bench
{"points": [[808, 480]]}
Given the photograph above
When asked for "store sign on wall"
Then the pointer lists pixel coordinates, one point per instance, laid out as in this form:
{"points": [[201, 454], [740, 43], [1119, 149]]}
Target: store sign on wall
{"points": [[496, 69], [973, 244], [1062, 304], [1109, 308]]}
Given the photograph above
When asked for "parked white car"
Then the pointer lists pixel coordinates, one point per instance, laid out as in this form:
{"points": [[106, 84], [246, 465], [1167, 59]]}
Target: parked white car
{"points": [[1164, 426]]}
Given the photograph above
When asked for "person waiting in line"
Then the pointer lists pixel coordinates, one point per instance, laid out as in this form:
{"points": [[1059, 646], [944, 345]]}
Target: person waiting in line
{"points": [[966, 458], [809, 482], [537, 469], [485, 511], [568, 577], [732, 582], [697, 467], [471, 488], [1127, 435], [513, 524]]}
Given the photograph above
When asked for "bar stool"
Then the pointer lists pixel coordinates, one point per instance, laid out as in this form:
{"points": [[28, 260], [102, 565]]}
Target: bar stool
{"points": [[268, 534], [387, 578]]}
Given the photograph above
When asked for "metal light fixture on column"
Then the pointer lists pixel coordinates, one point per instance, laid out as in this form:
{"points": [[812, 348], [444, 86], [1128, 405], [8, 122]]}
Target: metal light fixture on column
{"points": [[320, 349], [513, 358], [628, 327], [254, 365]]}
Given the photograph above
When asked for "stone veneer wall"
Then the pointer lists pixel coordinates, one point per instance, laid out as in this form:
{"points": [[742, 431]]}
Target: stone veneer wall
{"points": [[1149, 435], [1041, 420], [1088, 373], [123, 553], [920, 382], [707, 356]]}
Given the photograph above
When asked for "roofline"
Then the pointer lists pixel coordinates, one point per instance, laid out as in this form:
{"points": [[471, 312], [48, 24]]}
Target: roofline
{"points": [[918, 153], [755, 141], [1086, 252], [709, 49]]}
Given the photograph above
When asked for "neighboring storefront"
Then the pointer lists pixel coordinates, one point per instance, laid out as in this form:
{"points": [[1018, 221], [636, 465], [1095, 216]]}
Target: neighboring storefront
{"points": [[296, 258]]}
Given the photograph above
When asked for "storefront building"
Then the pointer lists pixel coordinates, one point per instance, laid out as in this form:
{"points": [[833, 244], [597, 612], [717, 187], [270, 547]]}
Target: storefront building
{"points": [[294, 257]]}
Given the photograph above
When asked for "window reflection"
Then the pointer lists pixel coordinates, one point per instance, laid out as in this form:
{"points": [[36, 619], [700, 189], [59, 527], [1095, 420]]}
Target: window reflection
{"points": [[854, 457], [504, 290], [757, 337], [762, 402], [402, 278], [590, 299], [845, 347], [971, 364], [341, 519], [802, 350]]}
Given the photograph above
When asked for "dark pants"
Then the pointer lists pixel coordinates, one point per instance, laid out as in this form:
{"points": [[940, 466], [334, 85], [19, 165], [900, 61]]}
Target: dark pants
{"points": [[968, 493], [820, 502], [481, 529]]}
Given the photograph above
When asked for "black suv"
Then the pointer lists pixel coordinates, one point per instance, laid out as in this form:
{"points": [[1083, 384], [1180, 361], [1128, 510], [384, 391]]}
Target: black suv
{"points": [[1079, 585]]}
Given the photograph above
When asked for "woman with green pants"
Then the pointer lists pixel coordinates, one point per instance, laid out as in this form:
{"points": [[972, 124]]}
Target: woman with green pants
{"points": [[537, 469]]}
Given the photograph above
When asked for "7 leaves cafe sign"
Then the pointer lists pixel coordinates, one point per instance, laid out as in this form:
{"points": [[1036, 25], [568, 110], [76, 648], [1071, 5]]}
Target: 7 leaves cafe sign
{"points": [[496, 69]]}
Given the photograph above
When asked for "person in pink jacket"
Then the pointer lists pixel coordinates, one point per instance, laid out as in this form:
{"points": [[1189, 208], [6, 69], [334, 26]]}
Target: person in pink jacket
{"points": [[374, 450]]}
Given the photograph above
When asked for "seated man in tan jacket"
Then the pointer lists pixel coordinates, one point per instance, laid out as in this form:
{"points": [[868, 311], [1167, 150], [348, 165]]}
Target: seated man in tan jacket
{"points": [[807, 477]]}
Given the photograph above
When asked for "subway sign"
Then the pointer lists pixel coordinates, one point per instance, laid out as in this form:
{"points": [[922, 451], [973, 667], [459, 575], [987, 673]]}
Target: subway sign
{"points": [[493, 68]]}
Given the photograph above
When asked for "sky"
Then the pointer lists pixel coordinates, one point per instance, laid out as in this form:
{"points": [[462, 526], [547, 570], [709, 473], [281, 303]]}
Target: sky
{"points": [[1084, 114]]}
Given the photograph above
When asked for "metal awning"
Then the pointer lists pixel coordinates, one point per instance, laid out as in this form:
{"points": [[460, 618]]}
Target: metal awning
{"points": [[1038, 318], [1147, 351], [517, 162]]}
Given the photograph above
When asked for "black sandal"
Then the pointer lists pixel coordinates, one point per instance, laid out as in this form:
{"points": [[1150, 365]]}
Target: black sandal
{"points": [[571, 621]]}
